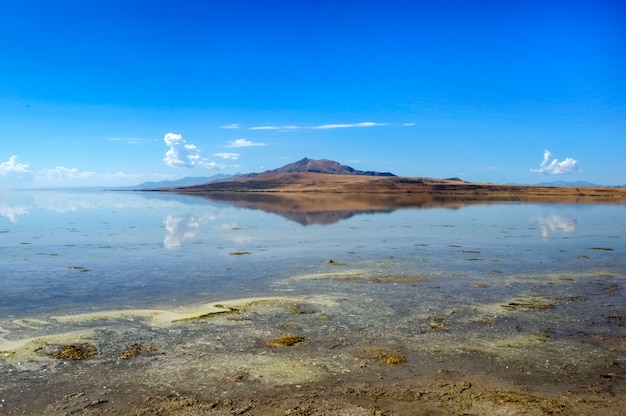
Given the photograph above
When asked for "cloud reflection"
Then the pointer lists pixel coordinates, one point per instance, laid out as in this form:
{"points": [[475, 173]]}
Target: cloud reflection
{"points": [[12, 212], [554, 223], [179, 229]]}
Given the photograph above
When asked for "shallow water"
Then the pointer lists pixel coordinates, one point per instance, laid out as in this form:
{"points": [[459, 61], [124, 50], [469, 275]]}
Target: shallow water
{"points": [[534, 289]]}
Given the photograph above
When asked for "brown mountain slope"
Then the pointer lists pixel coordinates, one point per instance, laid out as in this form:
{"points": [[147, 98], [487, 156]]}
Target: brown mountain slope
{"points": [[324, 176], [356, 184], [318, 166]]}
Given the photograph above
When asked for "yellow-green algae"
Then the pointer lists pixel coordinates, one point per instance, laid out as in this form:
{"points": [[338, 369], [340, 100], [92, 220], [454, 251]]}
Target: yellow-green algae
{"points": [[158, 317], [26, 347], [79, 351], [530, 303], [30, 347], [286, 341], [347, 274], [31, 323], [290, 367], [135, 349], [384, 355]]}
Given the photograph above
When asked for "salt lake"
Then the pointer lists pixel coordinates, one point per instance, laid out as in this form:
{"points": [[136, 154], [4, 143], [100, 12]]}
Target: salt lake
{"points": [[531, 292]]}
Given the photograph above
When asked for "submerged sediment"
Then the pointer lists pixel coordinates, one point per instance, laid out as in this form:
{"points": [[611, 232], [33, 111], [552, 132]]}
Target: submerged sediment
{"points": [[345, 351]]}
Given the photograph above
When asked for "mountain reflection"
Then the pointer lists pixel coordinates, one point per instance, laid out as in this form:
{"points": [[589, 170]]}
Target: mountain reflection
{"points": [[322, 208]]}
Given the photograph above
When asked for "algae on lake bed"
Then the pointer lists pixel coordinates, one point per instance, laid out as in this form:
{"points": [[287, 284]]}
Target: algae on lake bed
{"points": [[80, 351], [286, 341]]}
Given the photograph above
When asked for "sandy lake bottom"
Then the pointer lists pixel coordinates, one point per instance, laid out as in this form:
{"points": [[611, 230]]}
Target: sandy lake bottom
{"points": [[413, 315]]}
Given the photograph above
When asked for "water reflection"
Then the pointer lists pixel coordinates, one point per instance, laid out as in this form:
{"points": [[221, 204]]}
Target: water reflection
{"points": [[447, 287], [322, 209], [555, 223], [17, 203], [179, 228], [12, 213]]}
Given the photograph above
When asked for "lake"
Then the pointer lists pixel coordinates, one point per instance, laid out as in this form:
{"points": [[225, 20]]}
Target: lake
{"points": [[529, 293]]}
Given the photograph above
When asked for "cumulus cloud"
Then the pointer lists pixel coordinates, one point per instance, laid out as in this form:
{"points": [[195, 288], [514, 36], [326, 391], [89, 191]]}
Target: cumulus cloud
{"points": [[227, 156], [555, 167], [12, 165], [244, 143], [183, 154]]}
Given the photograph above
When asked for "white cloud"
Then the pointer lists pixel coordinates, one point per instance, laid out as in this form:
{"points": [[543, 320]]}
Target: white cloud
{"points": [[555, 167], [276, 128], [129, 140], [346, 126], [227, 156], [230, 126], [12, 165], [62, 173], [243, 143], [183, 154], [63, 176], [326, 126], [124, 178]]}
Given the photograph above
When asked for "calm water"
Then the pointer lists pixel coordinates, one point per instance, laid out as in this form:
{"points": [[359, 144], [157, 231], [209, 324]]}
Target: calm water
{"points": [[72, 251], [448, 278]]}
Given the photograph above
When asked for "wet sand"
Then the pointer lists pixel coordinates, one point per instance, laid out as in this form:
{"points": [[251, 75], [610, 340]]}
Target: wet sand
{"points": [[407, 389]]}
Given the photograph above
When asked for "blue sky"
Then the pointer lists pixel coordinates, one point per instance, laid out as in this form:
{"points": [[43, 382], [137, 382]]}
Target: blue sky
{"points": [[121, 92]]}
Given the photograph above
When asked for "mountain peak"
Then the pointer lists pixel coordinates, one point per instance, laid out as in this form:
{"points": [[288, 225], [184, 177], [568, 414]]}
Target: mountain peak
{"points": [[324, 166]]}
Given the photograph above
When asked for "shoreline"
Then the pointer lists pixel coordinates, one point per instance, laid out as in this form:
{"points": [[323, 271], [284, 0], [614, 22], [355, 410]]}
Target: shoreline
{"points": [[415, 387]]}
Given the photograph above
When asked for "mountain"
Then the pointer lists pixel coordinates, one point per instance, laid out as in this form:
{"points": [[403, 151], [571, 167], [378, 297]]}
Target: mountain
{"points": [[319, 166], [568, 183], [316, 177], [311, 175], [302, 166], [186, 181]]}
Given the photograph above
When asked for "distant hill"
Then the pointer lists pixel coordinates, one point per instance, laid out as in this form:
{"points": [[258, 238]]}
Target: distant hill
{"points": [[318, 166], [186, 181], [568, 183]]}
